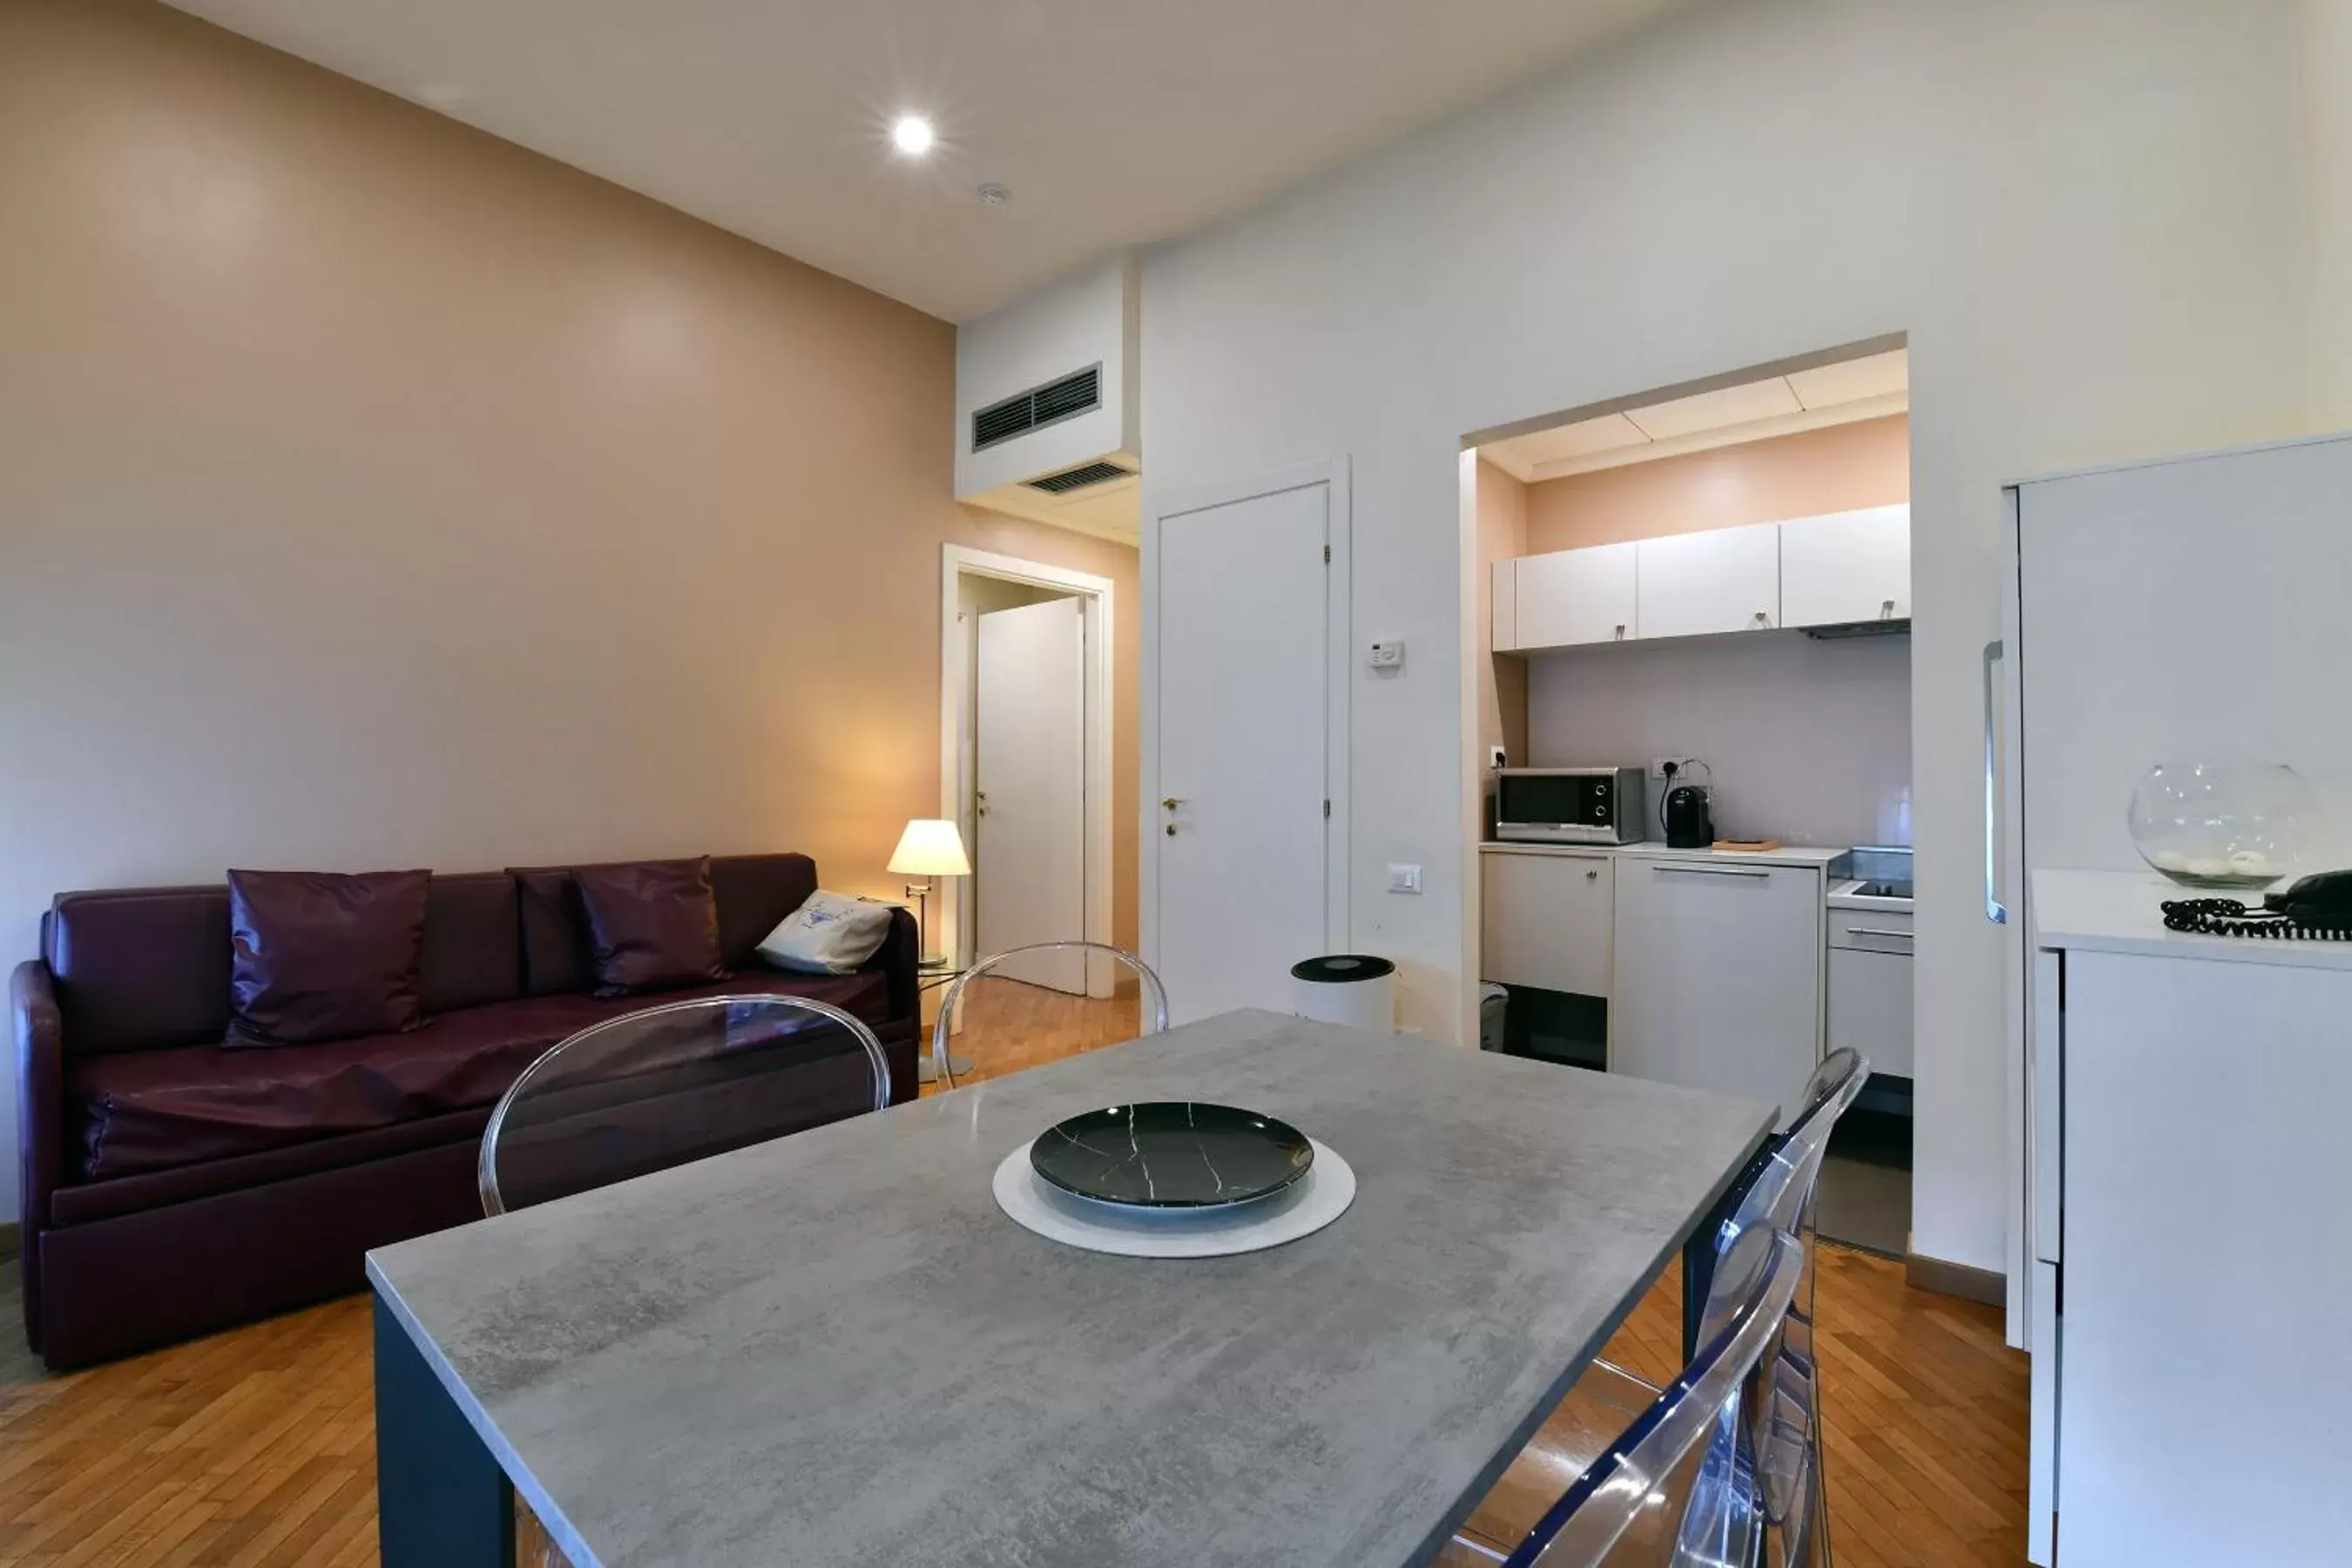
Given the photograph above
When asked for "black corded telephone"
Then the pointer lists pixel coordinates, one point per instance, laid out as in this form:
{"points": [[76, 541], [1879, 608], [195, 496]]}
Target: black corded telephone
{"points": [[2316, 909]]}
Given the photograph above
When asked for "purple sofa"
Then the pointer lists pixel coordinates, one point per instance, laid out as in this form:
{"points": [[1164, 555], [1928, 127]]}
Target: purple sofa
{"points": [[172, 1187]]}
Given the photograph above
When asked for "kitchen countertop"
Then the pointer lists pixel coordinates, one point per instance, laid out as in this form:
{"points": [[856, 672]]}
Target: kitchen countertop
{"points": [[1817, 856], [2117, 912]]}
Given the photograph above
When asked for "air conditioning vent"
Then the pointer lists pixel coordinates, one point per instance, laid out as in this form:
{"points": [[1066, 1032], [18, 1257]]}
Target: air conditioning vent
{"points": [[1057, 400], [1078, 479]]}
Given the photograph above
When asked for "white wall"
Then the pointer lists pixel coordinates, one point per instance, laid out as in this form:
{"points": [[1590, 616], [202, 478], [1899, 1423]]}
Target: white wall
{"points": [[1806, 741], [2090, 216], [2327, 97], [1085, 318]]}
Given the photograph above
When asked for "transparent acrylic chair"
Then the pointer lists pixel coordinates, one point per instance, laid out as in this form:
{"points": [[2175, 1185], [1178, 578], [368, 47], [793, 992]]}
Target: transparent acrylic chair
{"points": [[664, 1087], [1677, 1488], [1034, 1004], [1776, 1192], [673, 1084]]}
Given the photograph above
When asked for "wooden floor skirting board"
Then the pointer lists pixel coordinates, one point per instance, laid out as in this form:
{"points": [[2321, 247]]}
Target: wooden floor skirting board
{"points": [[1969, 1284]]}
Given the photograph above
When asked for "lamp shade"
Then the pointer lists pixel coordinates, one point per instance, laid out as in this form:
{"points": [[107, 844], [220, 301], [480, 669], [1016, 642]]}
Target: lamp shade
{"points": [[929, 847]]}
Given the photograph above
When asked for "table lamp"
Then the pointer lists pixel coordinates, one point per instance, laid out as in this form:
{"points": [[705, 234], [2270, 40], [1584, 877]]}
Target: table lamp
{"points": [[931, 847]]}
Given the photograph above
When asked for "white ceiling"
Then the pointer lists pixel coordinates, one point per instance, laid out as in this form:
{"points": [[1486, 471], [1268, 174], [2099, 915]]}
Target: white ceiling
{"points": [[1869, 388], [1113, 122]]}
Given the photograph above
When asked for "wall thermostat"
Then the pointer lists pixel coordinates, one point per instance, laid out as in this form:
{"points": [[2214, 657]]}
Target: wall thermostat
{"points": [[1388, 655]]}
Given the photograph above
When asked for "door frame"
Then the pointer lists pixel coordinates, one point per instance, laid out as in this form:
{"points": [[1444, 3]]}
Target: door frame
{"points": [[958, 562], [1338, 609]]}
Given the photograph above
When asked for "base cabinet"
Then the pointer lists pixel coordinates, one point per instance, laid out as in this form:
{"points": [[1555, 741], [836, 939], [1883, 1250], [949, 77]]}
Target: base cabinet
{"points": [[1719, 976], [2190, 1405], [1545, 920]]}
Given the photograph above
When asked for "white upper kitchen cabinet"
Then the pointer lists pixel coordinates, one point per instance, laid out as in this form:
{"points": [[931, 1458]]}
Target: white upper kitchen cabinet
{"points": [[1726, 580], [1846, 566], [1572, 596]]}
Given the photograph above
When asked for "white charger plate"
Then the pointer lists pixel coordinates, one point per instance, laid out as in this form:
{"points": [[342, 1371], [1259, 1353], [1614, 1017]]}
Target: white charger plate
{"points": [[1308, 1204]]}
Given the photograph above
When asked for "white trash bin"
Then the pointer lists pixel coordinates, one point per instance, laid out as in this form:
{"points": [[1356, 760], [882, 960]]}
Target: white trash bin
{"points": [[1350, 988], [1494, 1001]]}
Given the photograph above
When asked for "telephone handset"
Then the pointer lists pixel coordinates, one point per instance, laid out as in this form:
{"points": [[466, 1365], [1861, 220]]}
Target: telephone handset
{"points": [[2316, 909]]}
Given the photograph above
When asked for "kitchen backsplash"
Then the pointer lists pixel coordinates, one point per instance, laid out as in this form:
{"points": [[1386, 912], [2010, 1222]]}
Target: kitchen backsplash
{"points": [[1809, 741]]}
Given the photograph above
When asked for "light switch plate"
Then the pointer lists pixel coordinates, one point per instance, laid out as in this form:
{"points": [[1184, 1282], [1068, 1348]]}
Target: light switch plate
{"points": [[1404, 879]]}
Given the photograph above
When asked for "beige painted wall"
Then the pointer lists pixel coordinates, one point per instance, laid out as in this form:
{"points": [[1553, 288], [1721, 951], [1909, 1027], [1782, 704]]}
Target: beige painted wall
{"points": [[1867, 463], [1502, 533], [376, 493]]}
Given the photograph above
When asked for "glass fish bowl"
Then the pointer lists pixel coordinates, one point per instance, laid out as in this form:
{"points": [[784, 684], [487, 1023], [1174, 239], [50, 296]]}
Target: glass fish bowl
{"points": [[2222, 825]]}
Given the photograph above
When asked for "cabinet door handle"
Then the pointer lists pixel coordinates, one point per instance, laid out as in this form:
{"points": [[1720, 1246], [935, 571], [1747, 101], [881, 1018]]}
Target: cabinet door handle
{"points": [[1995, 911], [1710, 871], [1877, 930]]}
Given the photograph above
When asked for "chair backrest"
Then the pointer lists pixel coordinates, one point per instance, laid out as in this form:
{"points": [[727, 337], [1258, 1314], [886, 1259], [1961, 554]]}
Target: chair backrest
{"points": [[673, 1084], [1045, 970], [1679, 1487], [1784, 1412]]}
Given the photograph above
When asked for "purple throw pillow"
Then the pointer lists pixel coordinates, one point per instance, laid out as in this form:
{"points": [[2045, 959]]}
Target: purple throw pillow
{"points": [[316, 955], [651, 924]]}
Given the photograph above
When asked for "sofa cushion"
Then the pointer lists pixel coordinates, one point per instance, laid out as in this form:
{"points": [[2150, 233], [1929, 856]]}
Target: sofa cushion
{"points": [[754, 892], [832, 933], [552, 932], [152, 1111], [321, 955], [136, 968], [652, 925], [473, 952]]}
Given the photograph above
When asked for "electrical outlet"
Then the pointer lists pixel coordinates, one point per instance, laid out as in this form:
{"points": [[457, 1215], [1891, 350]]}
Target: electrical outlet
{"points": [[1495, 757], [1663, 768]]}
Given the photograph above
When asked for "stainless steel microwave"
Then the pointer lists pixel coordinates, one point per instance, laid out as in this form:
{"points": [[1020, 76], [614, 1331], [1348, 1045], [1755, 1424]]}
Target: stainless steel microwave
{"points": [[1569, 806]]}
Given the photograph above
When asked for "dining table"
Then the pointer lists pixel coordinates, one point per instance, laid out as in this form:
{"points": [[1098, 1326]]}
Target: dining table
{"points": [[833, 1348]]}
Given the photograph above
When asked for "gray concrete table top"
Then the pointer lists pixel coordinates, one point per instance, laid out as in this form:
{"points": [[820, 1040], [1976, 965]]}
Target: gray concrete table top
{"points": [[833, 1348]]}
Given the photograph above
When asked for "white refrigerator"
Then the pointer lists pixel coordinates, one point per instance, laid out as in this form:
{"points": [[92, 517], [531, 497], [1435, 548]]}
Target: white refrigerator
{"points": [[2192, 610]]}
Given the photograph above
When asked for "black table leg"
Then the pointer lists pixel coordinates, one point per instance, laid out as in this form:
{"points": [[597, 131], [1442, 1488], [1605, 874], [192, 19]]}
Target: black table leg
{"points": [[441, 1501], [1699, 1251]]}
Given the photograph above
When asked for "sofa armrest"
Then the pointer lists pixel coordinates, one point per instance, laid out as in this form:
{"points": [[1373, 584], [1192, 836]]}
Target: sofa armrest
{"points": [[898, 958], [40, 1117]]}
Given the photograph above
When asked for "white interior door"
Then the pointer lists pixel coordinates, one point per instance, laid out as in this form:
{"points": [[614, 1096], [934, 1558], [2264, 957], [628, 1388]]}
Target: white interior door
{"points": [[1029, 860], [1243, 690]]}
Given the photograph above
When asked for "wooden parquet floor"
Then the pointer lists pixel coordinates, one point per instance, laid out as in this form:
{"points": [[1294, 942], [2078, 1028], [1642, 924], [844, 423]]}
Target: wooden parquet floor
{"points": [[255, 1448]]}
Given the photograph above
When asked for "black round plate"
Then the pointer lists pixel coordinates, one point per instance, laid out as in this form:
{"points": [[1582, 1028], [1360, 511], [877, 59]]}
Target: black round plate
{"points": [[1171, 1154]]}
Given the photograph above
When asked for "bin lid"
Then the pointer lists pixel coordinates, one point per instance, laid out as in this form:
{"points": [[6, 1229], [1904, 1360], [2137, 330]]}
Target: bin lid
{"points": [[1341, 968]]}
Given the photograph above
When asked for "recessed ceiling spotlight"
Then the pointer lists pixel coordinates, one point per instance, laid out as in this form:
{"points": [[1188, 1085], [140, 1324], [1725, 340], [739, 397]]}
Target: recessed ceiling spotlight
{"points": [[912, 135], [993, 195]]}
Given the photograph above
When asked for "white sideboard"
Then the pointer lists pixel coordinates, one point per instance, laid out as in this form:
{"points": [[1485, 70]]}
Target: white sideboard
{"points": [[2191, 1399]]}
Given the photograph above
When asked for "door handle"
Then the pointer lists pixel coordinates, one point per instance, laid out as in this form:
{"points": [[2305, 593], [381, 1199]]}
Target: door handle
{"points": [[1169, 804], [1710, 871], [1878, 930], [1995, 911]]}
